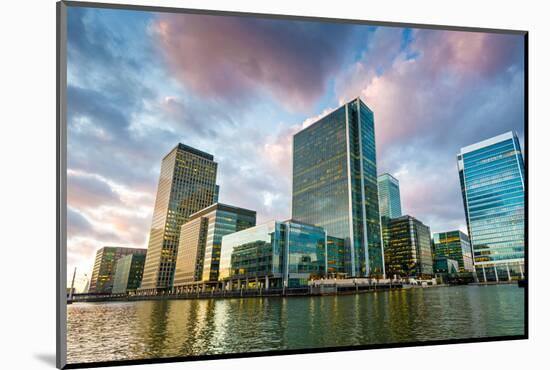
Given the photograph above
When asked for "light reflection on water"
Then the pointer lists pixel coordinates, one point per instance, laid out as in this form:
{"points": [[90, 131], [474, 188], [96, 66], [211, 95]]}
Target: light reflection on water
{"points": [[151, 329]]}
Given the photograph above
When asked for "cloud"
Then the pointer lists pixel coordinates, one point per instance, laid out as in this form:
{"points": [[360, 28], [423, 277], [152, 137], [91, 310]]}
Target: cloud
{"points": [[236, 58], [89, 191], [443, 91]]}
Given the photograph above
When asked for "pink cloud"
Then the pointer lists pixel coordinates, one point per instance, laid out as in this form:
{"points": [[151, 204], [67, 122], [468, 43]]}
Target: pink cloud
{"points": [[234, 57], [412, 95]]}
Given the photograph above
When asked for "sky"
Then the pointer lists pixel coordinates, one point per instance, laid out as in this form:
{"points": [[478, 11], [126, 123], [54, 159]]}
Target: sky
{"points": [[240, 87]]}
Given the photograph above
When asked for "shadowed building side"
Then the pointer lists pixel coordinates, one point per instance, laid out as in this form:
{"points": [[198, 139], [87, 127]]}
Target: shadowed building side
{"points": [[129, 272], [409, 250]]}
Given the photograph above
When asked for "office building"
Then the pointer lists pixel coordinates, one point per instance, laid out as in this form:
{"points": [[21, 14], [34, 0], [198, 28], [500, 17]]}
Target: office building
{"points": [[217, 194], [456, 246], [129, 272], [186, 185], [334, 184], [336, 257], [444, 265], [389, 197], [408, 252], [105, 265], [200, 241], [493, 190], [273, 255]]}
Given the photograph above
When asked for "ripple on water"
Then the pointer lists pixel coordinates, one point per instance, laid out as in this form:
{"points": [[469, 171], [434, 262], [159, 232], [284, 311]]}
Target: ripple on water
{"points": [[156, 329]]}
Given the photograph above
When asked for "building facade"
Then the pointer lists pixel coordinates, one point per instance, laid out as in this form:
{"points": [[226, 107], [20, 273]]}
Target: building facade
{"points": [[274, 255], [105, 265], [129, 272], [336, 257], [389, 196], [493, 190], [187, 184], [444, 265], [200, 240], [409, 251], [456, 246], [335, 184]]}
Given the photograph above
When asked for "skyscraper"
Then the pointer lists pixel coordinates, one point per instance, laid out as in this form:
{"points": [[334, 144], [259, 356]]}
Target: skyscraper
{"points": [[335, 184], [493, 190], [389, 196], [409, 251], [105, 265], [201, 238], [187, 184], [456, 246]]}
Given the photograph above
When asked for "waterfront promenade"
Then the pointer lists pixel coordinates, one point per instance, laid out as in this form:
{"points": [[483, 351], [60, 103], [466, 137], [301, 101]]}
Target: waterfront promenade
{"points": [[316, 287]]}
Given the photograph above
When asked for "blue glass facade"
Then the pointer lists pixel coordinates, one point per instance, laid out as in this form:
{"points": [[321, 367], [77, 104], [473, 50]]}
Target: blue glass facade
{"points": [[274, 254], [389, 196], [335, 184], [493, 189]]}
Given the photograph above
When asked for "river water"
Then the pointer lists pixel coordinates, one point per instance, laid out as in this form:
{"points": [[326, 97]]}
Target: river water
{"points": [[153, 329]]}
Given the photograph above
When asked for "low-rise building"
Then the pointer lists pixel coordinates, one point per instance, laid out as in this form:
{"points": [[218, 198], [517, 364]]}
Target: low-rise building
{"points": [[129, 272], [200, 242], [454, 245], [274, 255], [408, 252], [105, 267]]}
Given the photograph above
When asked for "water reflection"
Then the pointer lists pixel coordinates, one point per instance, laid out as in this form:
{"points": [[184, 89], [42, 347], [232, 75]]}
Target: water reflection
{"points": [[150, 329]]}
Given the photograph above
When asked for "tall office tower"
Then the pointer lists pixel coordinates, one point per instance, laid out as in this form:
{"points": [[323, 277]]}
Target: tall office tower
{"points": [[201, 238], [456, 246], [187, 184], [409, 251], [105, 265], [335, 186], [389, 196], [129, 272], [493, 190]]}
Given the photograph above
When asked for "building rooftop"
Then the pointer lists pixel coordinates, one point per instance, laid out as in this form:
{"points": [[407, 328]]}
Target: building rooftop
{"points": [[385, 174], [484, 143], [191, 150], [333, 111], [221, 207]]}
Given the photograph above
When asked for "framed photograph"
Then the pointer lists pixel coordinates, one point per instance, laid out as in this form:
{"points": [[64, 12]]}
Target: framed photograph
{"points": [[234, 184]]}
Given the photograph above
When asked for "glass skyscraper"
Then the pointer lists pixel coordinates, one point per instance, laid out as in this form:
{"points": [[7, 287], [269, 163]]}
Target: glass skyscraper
{"points": [[200, 241], [187, 184], [493, 190], [335, 184], [389, 196], [456, 246]]}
